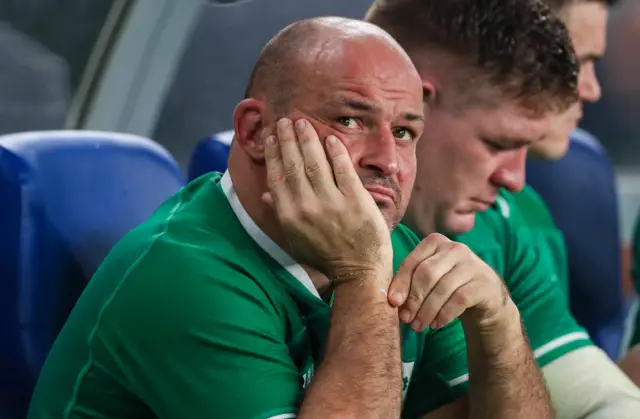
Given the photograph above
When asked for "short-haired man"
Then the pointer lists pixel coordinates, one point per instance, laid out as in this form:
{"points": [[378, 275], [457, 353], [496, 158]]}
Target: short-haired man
{"points": [[586, 21], [484, 111], [240, 287]]}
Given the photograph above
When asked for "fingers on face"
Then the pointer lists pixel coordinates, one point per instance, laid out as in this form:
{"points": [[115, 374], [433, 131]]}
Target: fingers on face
{"points": [[292, 162], [276, 179], [316, 164], [344, 172]]}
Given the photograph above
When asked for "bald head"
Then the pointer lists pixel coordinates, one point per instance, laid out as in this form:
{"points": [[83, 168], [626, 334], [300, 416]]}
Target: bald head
{"points": [[310, 50], [348, 79]]}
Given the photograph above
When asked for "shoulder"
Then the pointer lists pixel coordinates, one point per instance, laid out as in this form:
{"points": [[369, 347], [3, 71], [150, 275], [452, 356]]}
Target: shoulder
{"points": [[587, 141], [179, 267], [512, 205], [524, 209], [213, 274]]}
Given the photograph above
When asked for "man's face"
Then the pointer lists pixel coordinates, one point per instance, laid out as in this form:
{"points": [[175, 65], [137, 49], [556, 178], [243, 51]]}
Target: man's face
{"points": [[464, 158], [373, 102], [586, 22]]}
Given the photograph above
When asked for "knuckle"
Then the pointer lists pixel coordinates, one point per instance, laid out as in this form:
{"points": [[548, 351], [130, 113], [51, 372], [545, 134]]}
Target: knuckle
{"points": [[287, 218], [414, 259], [440, 291], [275, 180], [290, 169], [458, 247], [424, 273], [462, 297], [312, 168], [414, 299], [424, 269], [308, 210]]}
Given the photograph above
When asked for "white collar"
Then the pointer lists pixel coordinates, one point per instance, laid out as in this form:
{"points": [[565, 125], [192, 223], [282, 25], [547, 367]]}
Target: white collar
{"points": [[262, 239]]}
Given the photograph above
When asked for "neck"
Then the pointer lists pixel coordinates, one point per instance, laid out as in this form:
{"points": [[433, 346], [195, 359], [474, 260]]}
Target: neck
{"points": [[249, 185]]}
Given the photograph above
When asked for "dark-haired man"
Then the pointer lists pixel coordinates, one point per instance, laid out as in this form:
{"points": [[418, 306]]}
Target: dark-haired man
{"points": [[586, 21], [485, 109]]}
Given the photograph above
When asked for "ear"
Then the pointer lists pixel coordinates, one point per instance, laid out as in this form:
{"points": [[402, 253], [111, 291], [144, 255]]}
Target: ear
{"points": [[429, 91], [249, 124]]}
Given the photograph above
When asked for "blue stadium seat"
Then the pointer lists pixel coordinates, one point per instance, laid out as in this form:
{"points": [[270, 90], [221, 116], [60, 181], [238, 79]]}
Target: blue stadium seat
{"points": [[580, 191], [211, 155], [66, 197]]}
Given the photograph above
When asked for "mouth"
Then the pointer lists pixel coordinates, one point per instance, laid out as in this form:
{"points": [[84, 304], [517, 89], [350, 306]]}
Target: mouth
{"points": [[481, 204], [382, 194]]}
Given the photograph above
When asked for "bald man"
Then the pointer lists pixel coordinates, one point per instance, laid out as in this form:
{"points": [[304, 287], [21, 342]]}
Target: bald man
{"points": [[243, 287]]}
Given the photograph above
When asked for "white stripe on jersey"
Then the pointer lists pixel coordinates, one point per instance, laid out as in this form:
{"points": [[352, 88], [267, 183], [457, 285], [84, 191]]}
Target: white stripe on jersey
{"points": [[558, 342], [543, 350], [459, 380], [284, 416]]}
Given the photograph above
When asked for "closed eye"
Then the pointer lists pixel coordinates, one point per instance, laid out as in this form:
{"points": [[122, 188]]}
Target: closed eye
{"points": [[494, 146]]}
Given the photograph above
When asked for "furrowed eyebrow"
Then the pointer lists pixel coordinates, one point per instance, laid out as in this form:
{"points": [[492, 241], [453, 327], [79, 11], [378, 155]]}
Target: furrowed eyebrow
{"points": [[361, 105], [355, 104]]}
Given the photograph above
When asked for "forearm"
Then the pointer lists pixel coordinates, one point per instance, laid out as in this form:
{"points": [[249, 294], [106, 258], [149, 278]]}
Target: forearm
{"points": [[361, 373], [504, 379]]}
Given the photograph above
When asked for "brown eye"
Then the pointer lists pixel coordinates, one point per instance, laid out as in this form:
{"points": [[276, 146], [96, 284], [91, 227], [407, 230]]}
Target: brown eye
{"points": [[404, 134], [348, 122]]}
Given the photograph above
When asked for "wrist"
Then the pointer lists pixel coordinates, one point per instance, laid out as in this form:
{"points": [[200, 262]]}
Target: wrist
{"points": [[505, 318], [371, 286], [379, 272]]}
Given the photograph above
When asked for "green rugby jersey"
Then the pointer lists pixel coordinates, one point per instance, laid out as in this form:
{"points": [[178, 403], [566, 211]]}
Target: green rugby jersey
{"points": [[548, 237], [198, 314], [503, 239]]}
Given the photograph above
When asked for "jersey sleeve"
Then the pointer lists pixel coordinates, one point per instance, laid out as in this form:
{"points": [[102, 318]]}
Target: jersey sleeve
{"points": [[531, 278], [440, 375], [193, 337]]}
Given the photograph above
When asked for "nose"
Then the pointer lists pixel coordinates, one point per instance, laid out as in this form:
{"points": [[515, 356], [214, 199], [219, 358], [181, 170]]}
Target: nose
{"points": [[588, 85], [511, 173], [379, 153]]}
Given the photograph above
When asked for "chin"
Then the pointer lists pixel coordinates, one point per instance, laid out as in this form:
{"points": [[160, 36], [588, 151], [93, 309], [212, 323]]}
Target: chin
{"points": [[458, 224], [391, 217]]}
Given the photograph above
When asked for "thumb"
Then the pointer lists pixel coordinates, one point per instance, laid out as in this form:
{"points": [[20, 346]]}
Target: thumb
{"points": [[399, 286]]}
